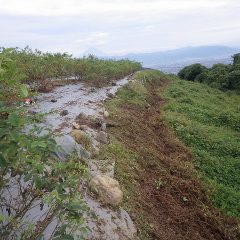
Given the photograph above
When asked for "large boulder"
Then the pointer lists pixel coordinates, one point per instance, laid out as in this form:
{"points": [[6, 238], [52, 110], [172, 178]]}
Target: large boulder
{"points": [[67, 147], [107, 189]]}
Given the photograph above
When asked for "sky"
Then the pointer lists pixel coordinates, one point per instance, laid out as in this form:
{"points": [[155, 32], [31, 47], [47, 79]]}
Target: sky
{"points": [[118, 26]]}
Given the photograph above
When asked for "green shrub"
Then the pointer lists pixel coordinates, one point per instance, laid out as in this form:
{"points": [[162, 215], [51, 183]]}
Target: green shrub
{"points": [[224, 77], [30, 175], [192, 71]]}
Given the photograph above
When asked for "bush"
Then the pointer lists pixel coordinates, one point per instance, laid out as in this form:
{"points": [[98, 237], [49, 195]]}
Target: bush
{"points": [[192, 71], [233, 79], [30, 176], [224, 77], [236, 59]]}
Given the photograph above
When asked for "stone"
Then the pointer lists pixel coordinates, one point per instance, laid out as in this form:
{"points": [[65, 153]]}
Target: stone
{"points": [[53, 100], [32, 112], [79, 136], [107, 189], [104, 126], [106, 114], [102, 137], [68, 146], [92, 90], [76, 126], [84, 127], [110, 95], [64, 112]]}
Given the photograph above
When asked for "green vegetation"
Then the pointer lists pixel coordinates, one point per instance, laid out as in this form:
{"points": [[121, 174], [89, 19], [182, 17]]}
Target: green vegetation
{"points": [[36, 66], [28, 167], [224, 77], [30, 174], [207, 120], [163, 191]]}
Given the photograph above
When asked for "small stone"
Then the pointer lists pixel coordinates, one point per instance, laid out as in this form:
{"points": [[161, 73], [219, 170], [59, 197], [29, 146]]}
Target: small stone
{"points": [[95, 151], [76, 125], [106, 114], [92, 90], [53, 100], [64, 112], [104, 127], [110, 95], [84, 127], [114, 84], [32, 112], [102, 137], [107, 189]]}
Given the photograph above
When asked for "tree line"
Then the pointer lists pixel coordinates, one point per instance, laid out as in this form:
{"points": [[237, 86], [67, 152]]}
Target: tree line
{"points": [[222, 76]]}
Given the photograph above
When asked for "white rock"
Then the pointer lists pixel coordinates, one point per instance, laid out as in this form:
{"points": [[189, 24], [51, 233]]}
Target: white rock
{"points": [[76, 125], [107, 189], [106, 114]]}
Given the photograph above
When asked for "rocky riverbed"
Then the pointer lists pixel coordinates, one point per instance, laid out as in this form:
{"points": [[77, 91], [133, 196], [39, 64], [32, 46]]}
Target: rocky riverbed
{"points": [[76, 115]]}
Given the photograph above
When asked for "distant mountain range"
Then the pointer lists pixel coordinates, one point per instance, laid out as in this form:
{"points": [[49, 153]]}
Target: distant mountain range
{"points": [[182, 54], [174, 60]]}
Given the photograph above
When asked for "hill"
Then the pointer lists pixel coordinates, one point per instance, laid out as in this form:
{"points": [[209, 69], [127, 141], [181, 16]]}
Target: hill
{"points": [[183, 54]]}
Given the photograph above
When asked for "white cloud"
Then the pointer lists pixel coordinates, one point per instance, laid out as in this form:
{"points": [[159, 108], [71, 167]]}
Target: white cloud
{"points": [[98, 38], [118, 25], [82, 7]]}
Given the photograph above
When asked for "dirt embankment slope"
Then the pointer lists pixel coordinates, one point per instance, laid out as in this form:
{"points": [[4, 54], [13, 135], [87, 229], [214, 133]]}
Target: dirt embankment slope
{"points": [[162, 190]]}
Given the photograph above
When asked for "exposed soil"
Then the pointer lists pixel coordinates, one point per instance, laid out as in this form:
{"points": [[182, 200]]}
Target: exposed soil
{"points": [[167, 195]]}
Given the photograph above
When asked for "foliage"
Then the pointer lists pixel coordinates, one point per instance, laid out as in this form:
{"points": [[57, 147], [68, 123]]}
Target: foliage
{"points": [[207, 120], [36, 66], [155, 169], [236, 59], [192, 71], [224, 77], [31, 177]]}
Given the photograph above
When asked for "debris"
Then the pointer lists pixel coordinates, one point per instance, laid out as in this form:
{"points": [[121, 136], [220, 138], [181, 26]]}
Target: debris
{"points": [[28, 101], [64, 112]]}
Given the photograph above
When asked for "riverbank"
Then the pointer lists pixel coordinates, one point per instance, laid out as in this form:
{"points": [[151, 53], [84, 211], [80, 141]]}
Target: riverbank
{"points": [[163, 191]]}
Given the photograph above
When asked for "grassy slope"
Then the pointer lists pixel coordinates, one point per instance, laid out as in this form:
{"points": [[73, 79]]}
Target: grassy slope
{"points": [[208, 122], [162, 190]]}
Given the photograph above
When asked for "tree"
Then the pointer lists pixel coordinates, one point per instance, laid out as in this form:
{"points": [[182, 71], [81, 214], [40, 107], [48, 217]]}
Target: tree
{"points": [[236, 59], [192, 71]]}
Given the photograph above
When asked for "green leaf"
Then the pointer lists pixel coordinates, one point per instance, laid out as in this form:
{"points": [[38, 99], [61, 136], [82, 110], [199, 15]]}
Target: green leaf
{"points": [[14, 119], [42, 144], [2, 132], [23, 90], [3, 162]]}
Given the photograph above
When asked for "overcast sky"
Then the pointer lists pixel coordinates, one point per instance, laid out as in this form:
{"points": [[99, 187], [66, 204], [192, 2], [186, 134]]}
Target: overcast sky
{"points": [[118, 26]]}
